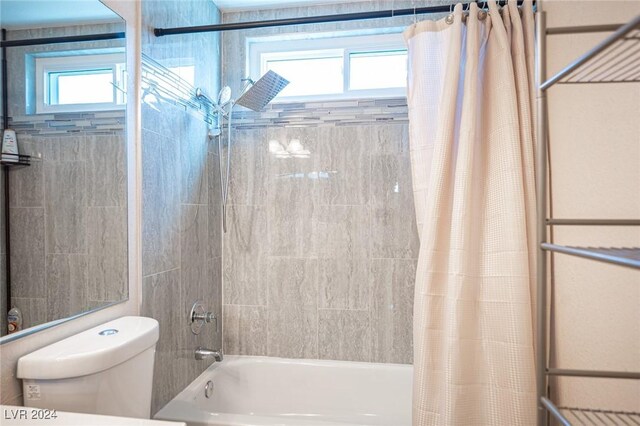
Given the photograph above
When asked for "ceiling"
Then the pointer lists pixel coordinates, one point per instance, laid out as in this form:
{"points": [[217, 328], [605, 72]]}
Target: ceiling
{"points": [[15, 14], [235, 5]]}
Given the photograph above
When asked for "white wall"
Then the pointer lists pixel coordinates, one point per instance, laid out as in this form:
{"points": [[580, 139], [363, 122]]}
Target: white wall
{"points": [[595, 166], [10, 387]]}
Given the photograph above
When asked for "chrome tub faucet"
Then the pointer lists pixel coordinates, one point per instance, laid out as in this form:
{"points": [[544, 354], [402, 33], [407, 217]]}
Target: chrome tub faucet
{"points": [[202, 353]]}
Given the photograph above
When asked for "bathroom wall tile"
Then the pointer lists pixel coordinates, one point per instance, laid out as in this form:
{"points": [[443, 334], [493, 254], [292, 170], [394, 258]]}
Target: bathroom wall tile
{"points": [[160, 203], [161, 300], [26, 184], [66, 283], [64, 148], [215, 207], [65, 201], [391, 312], [344, 335], [390, 139], [245, 266], [247, 180], [292, 282], [34, 310], [292, 332], [293, 229], [193, 262], [107, 259], [293, 180], [193, 161], [344, 156], [344, 230], [27, 252], [162, 118], [344, 284], [106, 171], [245, 330], [245, 279], [246, 230], [393, 226]]}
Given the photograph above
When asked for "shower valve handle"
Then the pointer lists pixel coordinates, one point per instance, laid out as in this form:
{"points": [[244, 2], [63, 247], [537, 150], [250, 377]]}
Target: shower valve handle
{"points": [[199, 316]]}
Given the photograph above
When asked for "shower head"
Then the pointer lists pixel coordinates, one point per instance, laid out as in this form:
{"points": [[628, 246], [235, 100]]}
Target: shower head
{"points": [[224, 96], [263, 91]]}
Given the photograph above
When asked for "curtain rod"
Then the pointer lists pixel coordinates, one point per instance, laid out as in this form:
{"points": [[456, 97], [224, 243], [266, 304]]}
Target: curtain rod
{"points": [[63, 39], [357, 16]]}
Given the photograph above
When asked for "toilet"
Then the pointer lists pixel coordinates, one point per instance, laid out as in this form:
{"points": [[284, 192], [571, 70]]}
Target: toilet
{"points": [[105, 370]]}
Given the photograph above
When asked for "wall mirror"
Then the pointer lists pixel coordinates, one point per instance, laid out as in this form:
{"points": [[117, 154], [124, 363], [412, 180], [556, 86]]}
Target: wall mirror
{"points": [[63, 199]]}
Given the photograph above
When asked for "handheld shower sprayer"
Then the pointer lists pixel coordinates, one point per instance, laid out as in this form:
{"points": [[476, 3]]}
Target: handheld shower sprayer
{"points": [[255, 95]]}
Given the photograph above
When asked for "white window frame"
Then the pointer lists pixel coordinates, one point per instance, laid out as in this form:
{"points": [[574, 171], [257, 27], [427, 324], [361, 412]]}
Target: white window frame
{"points": [[77, 63], [260, 51]]}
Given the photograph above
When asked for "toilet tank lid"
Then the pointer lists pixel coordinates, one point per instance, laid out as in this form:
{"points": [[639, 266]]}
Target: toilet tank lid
{"points": [[91, 351]]}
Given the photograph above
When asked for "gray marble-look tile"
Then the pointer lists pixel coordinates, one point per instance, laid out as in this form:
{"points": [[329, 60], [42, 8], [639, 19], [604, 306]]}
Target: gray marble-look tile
{"points": [[65, 201], [246, 230], [344, 284], [215, 207], [344, 231], [245, 260], [394, 232], [193, 161], [193, 256], [245, 279], [292, 229], [292, 179], [390, 139], [292, 282], [107, 260], [392, 310], [245, 330], [161, 301], [66, 283], [26, 184], [344, 335], [106, 171], [64, 148], [160, 203], [292, 332], [247, 177], [344, 157], [27, 252], [33, 309]]}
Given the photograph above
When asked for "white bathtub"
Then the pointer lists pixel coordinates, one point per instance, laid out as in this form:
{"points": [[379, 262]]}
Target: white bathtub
{"points": [[286, 392]]}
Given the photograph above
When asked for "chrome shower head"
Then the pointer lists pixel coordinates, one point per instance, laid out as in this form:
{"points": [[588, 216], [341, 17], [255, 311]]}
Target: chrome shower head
{"points": [[258, 95], [224, 96]]}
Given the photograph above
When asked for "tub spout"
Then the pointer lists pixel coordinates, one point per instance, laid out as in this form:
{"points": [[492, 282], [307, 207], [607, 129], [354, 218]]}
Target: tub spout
{"points": [[202, 353]]}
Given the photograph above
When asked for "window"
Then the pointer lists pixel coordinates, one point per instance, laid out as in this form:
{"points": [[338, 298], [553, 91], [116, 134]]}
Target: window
{"points": [[80, 83], [333, 67]]}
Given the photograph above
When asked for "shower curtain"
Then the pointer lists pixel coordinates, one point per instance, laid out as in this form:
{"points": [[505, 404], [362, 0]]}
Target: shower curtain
{"points": [[470, 97]]}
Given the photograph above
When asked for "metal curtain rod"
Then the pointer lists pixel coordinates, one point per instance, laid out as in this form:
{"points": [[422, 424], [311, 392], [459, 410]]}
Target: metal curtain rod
{"points": [[63, 39], [357, 16]]}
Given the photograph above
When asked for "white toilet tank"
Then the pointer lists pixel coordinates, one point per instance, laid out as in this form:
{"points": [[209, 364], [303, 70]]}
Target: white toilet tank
{"points": [[105, 370]]}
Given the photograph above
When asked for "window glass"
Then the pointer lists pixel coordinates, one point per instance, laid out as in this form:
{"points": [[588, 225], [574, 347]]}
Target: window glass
{"points": [[309, 76], [377, 70], [328, 66], [81, 87]]}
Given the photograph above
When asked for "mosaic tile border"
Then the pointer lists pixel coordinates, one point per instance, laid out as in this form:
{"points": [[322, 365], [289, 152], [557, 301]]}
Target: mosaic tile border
{"points": [[329, 113], [60, 124]]}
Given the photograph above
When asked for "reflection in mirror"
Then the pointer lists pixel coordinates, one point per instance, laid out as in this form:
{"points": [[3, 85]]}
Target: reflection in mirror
{"points": [[63, 212]]}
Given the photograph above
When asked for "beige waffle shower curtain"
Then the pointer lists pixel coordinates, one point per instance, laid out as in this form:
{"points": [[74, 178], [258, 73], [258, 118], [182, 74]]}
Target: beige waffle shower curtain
{"points": [[470, 96]]}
